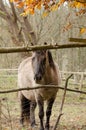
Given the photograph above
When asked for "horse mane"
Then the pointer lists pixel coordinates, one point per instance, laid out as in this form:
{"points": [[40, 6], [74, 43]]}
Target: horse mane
{"points": [[51, 61]]}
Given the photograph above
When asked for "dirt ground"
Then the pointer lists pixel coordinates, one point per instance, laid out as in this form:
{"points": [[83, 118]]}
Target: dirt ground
{"points": [[74, 110], [73, 118]]}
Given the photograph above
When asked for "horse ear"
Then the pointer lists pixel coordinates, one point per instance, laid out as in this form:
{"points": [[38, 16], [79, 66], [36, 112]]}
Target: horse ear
{"points": [[50, 59], [32, 44], [45, 50]]}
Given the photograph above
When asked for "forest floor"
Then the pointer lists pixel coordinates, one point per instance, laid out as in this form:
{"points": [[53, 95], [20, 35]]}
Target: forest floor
{"points": [[74, 111]]}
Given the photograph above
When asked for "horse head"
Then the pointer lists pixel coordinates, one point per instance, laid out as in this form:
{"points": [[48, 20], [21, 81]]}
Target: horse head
{"points": [[41, 60]]}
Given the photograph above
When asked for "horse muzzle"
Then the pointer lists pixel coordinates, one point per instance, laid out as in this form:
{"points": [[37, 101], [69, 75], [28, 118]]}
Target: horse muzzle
{"points": [[37, 77]]}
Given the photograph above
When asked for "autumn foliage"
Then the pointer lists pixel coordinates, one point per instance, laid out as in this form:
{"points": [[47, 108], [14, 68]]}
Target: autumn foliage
{"points": [[29, 6]]}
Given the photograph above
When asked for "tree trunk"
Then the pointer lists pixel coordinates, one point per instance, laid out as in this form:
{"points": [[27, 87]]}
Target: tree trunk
{"points": [[20, 29]]}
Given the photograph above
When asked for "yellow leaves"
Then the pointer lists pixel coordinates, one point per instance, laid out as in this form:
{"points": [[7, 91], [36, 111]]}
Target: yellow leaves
{"points": [[81, 7], [38, 6], [27, 11], [14, 0], [29, 6], [54, 7], [82, 30], [45, 14], [77, 4], [11, 1]]}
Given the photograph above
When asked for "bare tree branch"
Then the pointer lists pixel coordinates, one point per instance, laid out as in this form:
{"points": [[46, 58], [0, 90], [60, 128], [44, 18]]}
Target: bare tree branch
{"points": [[63, 99], [3, 14], [13, 11], [3, 8], [28, 27], [40, 86], [77, 40]]}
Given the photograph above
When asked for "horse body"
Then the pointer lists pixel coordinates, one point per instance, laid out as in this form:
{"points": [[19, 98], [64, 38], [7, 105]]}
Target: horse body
{"points": [[36, 70], [25, 78]]}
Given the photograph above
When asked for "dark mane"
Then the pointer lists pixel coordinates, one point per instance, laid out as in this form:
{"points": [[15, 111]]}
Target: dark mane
{"points": [[50, 58], [41, 52]]}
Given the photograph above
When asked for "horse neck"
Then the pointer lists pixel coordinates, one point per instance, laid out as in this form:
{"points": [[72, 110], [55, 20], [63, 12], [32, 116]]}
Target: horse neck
{"points": [[50, 76]]}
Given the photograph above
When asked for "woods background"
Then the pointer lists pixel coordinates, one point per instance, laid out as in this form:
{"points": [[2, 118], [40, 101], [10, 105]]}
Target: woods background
{"points": [[57, 27]]}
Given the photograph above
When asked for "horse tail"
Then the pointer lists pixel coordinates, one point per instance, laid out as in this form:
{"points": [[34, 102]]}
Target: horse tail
{"points": [[25, 109]]}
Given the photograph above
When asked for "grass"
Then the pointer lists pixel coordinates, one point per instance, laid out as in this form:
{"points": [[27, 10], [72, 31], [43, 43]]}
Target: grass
{"points": [[74, 117]]}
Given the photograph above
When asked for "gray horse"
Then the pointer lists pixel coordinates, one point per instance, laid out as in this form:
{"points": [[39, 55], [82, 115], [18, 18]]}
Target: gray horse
{"points": [[40, 68]]}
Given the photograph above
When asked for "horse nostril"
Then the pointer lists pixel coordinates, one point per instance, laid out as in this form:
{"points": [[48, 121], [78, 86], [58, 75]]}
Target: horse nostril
{"points": [[37, 77], [40, 77]]}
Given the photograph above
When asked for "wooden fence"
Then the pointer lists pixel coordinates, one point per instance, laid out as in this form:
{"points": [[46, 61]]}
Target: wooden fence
{"points": [[78, 78], [13, 72]]}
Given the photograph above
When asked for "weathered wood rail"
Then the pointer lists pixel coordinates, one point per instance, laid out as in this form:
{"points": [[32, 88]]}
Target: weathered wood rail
{"points": [[75, 80], [37, 47], [78, 78]]}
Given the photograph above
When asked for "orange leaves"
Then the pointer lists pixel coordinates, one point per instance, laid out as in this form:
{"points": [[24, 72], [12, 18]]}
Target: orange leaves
{"points": [[81, 12], [20, 4], [38, 6], [67, 27], [81, 7], [29, 6]]}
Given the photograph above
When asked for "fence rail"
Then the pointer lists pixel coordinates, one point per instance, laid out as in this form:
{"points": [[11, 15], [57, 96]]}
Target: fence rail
{"points": [[77, 78], [37, 47]]}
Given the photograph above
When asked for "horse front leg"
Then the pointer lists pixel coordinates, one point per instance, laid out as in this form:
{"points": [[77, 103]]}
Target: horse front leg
{"points": [[48, 112], [41, 113], [32, 113]]}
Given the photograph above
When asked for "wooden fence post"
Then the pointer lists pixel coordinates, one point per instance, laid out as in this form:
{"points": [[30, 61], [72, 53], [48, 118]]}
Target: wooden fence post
{"points": [[81, 82]]}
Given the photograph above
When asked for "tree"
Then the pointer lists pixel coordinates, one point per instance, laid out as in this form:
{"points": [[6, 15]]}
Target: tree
{"points": [[30, 7], [20, 29], [37, 29]]}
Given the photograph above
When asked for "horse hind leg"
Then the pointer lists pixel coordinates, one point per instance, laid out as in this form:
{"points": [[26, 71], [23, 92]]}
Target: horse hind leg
{"points": [[25, 109]]}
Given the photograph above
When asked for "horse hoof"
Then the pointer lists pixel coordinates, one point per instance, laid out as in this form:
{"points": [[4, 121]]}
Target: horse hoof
{"points": [[34, 127], [41, 128], [46, 128]]}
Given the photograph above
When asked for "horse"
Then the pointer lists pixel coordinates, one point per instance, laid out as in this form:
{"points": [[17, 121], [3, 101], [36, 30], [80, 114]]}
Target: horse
{"points": [[41, 69]]}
